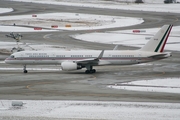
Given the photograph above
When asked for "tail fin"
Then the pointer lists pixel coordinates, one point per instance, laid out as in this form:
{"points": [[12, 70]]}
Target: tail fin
{"points": [[157, 43]]}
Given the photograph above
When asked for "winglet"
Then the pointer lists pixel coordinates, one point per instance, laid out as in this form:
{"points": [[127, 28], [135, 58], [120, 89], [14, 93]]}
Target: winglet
{"points": [[115, 48], [100, 55]]}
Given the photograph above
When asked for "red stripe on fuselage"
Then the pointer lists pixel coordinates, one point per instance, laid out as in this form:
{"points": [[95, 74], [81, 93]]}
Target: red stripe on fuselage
{"points": [[162, 49]]}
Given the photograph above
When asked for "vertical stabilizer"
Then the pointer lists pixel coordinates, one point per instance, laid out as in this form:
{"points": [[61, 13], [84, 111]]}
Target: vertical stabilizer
{"points": [[157, 43]]}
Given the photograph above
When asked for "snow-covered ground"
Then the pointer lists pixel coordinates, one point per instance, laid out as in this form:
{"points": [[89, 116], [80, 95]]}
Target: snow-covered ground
{"points": [[61, 20], [20, 29], [95, 110], [150, 5], [32, 46], [129, 38], [5, 10], [170, 85], [87, 21]]}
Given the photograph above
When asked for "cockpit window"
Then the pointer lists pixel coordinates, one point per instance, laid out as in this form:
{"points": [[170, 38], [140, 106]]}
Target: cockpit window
{"points": [[12, 56]]}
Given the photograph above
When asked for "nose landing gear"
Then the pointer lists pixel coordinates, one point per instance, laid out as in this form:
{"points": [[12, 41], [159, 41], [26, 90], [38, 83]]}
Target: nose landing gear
{"points": [[24, 69]]}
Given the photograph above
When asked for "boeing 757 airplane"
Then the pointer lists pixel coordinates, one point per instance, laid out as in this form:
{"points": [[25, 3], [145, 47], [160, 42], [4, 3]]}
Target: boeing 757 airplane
{"points": [[78, 59]]}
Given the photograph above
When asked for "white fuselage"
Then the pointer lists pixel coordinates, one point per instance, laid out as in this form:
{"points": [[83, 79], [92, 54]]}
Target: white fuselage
{"points": [[110, 57]]}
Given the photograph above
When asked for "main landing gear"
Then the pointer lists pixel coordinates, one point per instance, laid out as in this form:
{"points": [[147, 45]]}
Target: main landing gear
{"points": [[90, 69], [25, 71]]}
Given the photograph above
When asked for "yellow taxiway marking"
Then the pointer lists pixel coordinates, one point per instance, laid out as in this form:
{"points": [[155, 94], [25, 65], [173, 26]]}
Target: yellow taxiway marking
{"points": [[41, 83], [93, 77]]}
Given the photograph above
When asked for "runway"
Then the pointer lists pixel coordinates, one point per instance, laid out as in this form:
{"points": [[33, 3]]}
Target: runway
{"points": [[60, 85]]}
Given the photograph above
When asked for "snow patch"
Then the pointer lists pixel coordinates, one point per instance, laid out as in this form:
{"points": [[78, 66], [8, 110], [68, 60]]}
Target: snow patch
{"points": [[129, 38], [92, 110], [5, 10], [169, 85], [64, 21], [150, 5]]}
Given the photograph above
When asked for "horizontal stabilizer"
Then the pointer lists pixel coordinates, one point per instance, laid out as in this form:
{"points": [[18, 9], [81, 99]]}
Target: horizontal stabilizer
{"points": [[163, 55]]}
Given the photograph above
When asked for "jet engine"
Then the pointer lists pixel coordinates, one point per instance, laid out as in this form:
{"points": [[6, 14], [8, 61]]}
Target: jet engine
{"points": [[68, 66]]}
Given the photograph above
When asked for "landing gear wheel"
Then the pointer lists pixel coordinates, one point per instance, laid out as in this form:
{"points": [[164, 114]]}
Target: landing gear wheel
{"points": [[25, 71], [87, 71], [90, 71], [94, 70]]}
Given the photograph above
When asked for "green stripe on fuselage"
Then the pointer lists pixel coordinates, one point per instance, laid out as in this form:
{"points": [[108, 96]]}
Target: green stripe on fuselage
{"points": [[157, 48]]}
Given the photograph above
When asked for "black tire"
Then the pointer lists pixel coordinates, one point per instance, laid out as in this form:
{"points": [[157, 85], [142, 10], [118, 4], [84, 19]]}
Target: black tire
{"points": [[90, 71], [87, 71], [25, 71]]}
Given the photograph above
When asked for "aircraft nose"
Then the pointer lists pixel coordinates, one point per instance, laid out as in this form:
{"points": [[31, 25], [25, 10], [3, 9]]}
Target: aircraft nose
{"points": [[6, 60]]}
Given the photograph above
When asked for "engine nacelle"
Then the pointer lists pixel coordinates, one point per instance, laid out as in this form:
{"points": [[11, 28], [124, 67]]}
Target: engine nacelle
{"points": [[68, 66]]}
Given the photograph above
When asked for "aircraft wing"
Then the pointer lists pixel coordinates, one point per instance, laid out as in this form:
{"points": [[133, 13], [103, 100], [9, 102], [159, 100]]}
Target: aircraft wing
{"points": [[90, 60]]}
